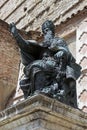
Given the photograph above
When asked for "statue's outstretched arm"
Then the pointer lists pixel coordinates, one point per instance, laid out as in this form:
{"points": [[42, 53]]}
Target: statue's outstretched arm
{"points": [[22, 43]]}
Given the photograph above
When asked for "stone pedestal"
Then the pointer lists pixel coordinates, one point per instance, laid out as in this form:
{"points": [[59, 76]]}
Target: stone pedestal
{"points": [[42, 113]]}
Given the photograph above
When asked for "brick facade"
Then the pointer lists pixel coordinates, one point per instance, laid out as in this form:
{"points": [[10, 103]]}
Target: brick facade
{"points": [[9, 61], [29, 15], [81, 46]]}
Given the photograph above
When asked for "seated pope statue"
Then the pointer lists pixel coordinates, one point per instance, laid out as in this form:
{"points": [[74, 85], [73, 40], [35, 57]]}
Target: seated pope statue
{"points": [[49, 66]]}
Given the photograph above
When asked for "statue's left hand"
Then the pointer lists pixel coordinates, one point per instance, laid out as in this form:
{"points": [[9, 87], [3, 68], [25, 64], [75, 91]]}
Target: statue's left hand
{"points": [[13, 29], [59, 55]]}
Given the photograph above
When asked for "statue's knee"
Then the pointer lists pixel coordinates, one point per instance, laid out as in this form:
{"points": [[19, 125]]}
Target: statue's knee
{"points": [[24, 84]]}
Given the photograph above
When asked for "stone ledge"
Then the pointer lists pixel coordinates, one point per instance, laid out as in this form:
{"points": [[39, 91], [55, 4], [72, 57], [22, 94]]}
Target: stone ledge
{"points": [[40, 112]]}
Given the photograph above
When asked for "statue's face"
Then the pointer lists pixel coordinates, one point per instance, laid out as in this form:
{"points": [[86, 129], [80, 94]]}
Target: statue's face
{"points": [[48, 35], [48, 27], [47, 31]]}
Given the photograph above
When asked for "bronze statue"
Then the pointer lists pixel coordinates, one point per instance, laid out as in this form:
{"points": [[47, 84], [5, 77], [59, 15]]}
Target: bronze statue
{"points": [[49, 68]]}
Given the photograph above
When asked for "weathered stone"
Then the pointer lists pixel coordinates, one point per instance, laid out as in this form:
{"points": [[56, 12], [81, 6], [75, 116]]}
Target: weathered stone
{"points": [[9, 57], [82, 59], [9, 65], [34, 11], [83, 97], [42, 113], [83, 49]]}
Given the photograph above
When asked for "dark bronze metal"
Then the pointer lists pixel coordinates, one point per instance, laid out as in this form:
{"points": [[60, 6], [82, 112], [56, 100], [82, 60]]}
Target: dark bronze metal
{"points": [[50, 68]]}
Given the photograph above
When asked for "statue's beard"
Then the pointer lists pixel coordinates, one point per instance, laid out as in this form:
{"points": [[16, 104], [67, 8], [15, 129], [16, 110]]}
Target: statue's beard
{"points": [[48, 36], [48, 39]]}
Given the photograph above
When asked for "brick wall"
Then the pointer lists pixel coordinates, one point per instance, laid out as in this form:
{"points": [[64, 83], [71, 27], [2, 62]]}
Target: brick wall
{"points": [[30, 14], [9, 61]]}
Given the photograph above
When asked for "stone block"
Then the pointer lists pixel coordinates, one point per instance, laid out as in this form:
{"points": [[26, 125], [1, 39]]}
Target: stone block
{"points": [[40, 112]]}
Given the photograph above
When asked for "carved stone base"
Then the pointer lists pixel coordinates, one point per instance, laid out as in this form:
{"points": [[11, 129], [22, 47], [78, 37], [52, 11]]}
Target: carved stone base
{"points": [[42, 113]]}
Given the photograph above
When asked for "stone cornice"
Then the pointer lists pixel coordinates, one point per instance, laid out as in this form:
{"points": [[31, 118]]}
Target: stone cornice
{"points": [[71, 12], [44, 108]]}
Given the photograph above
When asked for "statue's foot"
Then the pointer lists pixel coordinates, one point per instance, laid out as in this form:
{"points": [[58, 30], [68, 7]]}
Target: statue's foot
{"points": [[36, 92]]}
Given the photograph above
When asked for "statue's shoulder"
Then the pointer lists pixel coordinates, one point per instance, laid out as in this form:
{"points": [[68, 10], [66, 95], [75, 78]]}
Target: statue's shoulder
{"points": [[60, 41]]}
